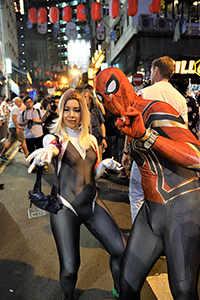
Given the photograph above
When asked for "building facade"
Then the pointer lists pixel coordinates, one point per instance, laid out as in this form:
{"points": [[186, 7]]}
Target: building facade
{"points": [[45, 54], [8, 47], [132, 43]]}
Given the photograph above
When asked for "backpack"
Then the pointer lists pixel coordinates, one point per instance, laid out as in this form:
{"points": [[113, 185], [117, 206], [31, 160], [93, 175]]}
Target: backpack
{"points": [[23, 114]]}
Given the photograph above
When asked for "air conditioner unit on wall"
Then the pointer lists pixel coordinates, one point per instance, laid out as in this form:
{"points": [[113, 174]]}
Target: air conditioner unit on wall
{"points": [[163, 25], [146, 23]]}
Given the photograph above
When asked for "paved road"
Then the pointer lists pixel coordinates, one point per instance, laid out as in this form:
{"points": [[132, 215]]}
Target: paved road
{"points": [[29, 267]]}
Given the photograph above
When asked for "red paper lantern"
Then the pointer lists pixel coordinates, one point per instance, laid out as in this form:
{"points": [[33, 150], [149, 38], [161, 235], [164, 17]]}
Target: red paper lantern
{"points": [[42, 15], [32, 15], [96, 11], [67, 14], [81, 12], [154, 8], [132, 7], [54, 14], [114, 6]]}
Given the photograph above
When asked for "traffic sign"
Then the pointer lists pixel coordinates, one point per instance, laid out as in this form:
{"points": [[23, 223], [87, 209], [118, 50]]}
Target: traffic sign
{"points": [[137, 79]]}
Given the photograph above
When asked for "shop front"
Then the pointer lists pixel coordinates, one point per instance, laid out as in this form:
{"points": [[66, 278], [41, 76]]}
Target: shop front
{"points": [[188, 69]]}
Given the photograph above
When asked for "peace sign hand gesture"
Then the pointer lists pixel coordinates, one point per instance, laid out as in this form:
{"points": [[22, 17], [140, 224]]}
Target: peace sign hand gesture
{"points": [[131, 121]]}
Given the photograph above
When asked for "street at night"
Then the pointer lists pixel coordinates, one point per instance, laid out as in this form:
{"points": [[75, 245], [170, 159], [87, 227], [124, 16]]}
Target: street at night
{"points": [[108, 93], [29, 268]]}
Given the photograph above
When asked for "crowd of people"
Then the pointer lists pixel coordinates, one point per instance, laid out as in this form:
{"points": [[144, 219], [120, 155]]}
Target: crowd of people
{"points": [[156, 138], [34, 118]]}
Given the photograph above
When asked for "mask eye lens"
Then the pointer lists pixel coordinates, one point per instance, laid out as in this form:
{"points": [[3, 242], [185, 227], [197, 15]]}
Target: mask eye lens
{"points": [[100, 97], [112, 85]]}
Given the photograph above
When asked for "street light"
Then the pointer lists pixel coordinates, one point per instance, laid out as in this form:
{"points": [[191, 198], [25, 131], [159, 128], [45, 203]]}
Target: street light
{"points": [[76, 74], [8, 71]]}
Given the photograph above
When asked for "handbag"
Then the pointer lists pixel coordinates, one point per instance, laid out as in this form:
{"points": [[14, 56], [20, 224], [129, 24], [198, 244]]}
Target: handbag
{"points": [[50, 202]]}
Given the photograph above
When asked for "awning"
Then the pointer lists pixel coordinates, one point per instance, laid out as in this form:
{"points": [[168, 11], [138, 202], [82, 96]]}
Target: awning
{"points": [[2, 78], [23, 73]]}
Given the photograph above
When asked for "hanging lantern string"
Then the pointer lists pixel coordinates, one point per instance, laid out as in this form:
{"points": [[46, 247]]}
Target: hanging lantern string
{"points": [[114, 7]]}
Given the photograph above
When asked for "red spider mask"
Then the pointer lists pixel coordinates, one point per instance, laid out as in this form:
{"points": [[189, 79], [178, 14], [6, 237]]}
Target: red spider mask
{"points": [[110, 81]]}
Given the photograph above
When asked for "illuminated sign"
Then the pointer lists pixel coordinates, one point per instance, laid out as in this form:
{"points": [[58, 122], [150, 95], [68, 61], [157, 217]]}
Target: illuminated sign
{"points": [[197, 67], [79, 54], [8, 63], [98, 58], [29, 78], [187, 67], [14, 87]]}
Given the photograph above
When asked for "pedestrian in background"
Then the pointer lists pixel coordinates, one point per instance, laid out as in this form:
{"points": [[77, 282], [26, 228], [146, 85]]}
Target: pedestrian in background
{"points": [[5, 107], [31, 120], [1, 184], [15, 131], [193, 107], [162, 70], [37, 103], [91, 88], [50, 113], [97, 121]]}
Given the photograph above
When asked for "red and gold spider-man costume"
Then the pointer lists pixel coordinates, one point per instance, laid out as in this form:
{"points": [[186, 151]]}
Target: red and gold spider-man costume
{"points": [[169, 219]]}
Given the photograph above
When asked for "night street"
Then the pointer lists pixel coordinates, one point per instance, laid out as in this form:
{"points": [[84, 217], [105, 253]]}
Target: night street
{"points": [[29, 267]]}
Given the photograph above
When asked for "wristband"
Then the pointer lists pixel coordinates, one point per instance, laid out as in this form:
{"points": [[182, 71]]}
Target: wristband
{"points": [[56, 144], [151, 139], [103, 138], [145, 136], [126, 152]]}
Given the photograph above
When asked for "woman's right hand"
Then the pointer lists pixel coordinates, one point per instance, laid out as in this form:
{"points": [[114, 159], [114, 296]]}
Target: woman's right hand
{"points": [[41, 157]]}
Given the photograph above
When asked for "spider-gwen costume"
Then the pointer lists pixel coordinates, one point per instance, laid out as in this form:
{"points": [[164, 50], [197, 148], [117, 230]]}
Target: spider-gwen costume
{"points": [[77, 191], [168, 155]]}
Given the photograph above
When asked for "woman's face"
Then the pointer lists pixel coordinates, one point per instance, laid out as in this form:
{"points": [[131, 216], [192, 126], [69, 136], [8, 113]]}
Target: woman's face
{"points": [[72, 114]]}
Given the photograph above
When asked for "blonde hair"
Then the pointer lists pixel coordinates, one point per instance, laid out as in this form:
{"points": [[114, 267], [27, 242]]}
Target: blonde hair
{"points": [[59, 127]]}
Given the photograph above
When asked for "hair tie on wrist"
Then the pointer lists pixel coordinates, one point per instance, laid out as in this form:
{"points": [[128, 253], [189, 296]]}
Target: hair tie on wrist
{"points": [[126, 152]]}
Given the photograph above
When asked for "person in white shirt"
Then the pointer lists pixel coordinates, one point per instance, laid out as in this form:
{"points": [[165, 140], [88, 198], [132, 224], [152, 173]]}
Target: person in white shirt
{"points": [[15, 131], [161, 71], [5, 107], [31, 120]]}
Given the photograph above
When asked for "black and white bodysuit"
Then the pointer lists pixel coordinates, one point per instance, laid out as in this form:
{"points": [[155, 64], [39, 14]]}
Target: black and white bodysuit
{"points": [[78, 193]]}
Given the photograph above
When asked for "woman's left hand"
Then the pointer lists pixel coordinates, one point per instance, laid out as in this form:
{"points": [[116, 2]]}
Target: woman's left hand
{"points": [[112, 164], [41, 157]]}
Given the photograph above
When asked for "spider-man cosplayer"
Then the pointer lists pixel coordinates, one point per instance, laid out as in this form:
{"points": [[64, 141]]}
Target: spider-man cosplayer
{"points": [[168, 156]]}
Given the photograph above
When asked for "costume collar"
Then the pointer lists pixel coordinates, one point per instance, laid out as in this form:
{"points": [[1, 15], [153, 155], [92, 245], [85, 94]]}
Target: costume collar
{"points": [[72, 132]]}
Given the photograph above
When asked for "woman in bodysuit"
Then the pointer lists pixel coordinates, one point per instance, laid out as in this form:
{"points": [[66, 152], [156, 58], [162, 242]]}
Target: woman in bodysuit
{"points": [[77, 168]]}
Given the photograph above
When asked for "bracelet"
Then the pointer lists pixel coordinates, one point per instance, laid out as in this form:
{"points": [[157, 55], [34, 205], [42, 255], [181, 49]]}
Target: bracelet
{"points": [[103, 138]]}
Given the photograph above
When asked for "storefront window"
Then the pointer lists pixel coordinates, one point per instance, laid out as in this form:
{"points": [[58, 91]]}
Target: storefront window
{"points": [[183, 9]]}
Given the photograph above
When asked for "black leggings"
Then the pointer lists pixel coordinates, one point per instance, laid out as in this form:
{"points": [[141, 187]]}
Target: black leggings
{"points": [[175, 228], [34, 144], [66, 230]]}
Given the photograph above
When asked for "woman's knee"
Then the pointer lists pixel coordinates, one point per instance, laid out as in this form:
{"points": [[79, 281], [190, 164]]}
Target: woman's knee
{"points": [[69, 271]]}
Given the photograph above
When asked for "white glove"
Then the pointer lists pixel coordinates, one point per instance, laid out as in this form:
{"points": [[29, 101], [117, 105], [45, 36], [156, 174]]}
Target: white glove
{"points": [[112, 164], [42, 156], [108, 163]]}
